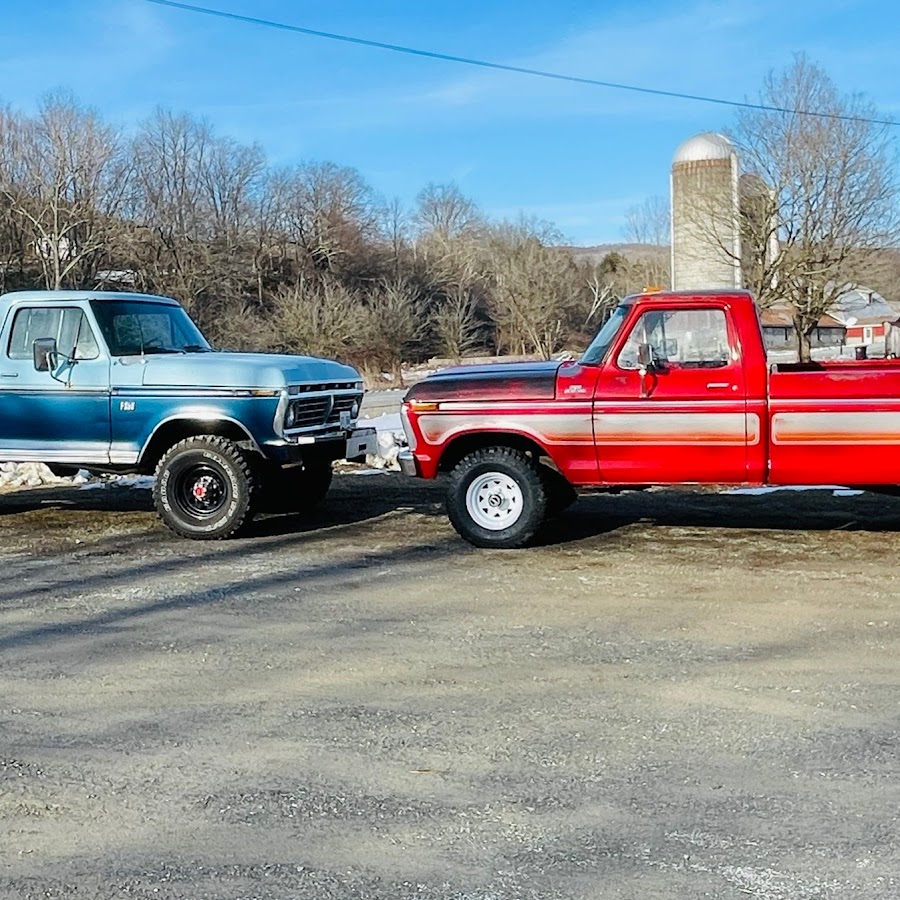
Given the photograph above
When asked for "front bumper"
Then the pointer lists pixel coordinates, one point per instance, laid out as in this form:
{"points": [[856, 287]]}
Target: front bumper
{"points": [[408, 464], [353, 445], [361, 443]]}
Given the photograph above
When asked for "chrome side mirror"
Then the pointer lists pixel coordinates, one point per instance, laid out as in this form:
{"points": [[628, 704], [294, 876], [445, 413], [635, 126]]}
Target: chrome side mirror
{"points": [[46, 355]]}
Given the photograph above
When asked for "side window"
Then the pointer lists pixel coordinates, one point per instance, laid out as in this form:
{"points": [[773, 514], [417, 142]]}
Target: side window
{"points": [[76, 338], [682, 338], [69, 327]]}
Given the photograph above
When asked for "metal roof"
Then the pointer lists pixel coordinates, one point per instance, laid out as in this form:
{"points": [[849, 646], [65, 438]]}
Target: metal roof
{"points": [[704, 146], [781, 317]]}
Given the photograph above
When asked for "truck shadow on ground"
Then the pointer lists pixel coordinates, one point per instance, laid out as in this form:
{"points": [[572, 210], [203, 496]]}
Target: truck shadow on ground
{"points": [[808, 510], [355, 500], [352, 500]]}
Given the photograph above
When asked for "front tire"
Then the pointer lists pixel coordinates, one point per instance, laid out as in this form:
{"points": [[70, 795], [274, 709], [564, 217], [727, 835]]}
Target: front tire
{"points": [[497, 498], [205, 488]]}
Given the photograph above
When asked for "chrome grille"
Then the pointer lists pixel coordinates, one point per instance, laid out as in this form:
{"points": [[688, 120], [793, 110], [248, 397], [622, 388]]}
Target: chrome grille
{"points": [[309, 411]]}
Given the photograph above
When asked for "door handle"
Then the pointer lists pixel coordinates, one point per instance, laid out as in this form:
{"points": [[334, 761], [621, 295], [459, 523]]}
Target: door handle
{"points": [[9, 374], [718, 385]]}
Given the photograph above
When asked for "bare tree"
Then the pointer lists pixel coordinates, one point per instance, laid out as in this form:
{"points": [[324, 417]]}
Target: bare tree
{"points": [[320, 317], [394, 229], [172, 223], [819, 195], [535, 289], [604, 299], [649, 222], [444, 210], [396, 326], [64, 176], [330, 214], [455, 322]]}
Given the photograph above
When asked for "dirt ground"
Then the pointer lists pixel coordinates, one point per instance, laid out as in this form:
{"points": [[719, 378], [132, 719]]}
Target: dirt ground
{"points": [[676, 696]]}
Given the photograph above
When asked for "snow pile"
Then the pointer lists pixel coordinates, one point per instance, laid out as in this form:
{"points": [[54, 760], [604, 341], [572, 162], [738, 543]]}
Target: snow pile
{"points": [[34, 475], [27, 475], [391, 440]]}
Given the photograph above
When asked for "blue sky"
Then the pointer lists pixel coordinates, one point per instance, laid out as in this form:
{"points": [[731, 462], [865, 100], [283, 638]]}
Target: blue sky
{"points": [[576, 155]]}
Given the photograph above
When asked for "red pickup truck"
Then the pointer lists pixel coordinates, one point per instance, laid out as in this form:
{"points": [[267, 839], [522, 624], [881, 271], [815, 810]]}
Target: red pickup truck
{"points": [[674, 389]]}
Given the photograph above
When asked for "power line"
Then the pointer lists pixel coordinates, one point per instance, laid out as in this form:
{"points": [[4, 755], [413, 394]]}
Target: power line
{"points": [[502, 67]]}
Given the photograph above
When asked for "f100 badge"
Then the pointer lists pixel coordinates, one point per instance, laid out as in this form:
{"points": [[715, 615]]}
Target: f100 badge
{"points": [[126, 405]]}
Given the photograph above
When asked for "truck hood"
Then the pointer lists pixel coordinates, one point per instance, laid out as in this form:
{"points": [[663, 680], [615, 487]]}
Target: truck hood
{"points": [[241, 370], [499, 381]]}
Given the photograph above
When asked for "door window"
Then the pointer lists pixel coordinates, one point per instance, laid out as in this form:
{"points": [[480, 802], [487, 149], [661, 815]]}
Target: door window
{"points": [[680, 338], [68, 326]]}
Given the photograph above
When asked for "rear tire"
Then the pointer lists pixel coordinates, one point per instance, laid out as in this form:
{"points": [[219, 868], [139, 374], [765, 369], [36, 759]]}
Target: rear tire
{"points": [[497, 498], [206, 488]]}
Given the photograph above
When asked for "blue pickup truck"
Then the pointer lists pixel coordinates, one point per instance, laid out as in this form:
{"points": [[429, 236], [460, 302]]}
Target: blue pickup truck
{"points": [[115, 382]]}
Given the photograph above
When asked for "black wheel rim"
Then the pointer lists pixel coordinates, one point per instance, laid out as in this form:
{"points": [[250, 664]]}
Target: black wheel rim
{"points": [[201, 491]]}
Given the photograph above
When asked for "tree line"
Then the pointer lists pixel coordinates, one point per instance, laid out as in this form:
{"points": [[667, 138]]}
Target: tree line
{"points": [[306, 258]]}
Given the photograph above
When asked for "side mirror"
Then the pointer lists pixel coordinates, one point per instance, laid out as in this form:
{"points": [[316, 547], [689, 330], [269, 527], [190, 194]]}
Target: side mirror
{"points": [[45, 354], [645, 359]]}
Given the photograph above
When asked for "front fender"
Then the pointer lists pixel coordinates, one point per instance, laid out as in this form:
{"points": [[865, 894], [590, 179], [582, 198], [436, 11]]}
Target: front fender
{"points": [[565, 436], [214, 419]]}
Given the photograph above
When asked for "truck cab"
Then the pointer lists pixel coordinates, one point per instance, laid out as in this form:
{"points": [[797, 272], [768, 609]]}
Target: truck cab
{"points": [[115, 382], [674, 389]]}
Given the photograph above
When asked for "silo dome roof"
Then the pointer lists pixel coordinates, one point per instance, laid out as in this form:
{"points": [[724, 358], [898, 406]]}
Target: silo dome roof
{"points": [[707, 145]]}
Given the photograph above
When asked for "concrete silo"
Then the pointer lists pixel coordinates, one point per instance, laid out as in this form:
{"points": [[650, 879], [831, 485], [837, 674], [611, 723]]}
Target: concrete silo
{"points": [[706, 236]]}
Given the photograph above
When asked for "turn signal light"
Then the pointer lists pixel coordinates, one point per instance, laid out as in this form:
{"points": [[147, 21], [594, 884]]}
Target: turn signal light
{"points": [[420, 406]]}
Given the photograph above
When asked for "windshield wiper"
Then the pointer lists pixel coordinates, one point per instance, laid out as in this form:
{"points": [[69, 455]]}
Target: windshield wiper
{"points": [[195, 348]]}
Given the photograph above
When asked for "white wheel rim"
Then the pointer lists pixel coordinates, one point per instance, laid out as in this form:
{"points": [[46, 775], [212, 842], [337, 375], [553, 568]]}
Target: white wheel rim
{"points": [[494, 501]]}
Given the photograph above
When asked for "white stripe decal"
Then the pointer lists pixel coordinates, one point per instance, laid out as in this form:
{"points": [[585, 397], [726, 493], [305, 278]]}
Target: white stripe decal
{"points": [[659, 428], [545, 428], [719, 428], [836, 428]]}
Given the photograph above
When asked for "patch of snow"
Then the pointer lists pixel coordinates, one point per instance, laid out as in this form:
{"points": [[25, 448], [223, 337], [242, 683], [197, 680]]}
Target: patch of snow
{"points": [[27, 475], [835, 489], [140, 482], [391, 440]]}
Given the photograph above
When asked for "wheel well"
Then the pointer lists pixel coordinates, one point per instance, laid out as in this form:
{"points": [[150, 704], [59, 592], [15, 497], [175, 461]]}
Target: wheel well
{"points": [[468, 443], [171, 433]]}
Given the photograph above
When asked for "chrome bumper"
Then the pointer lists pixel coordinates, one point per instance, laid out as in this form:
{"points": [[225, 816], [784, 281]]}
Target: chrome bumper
{"points": [[407, 463], [361, 442]]}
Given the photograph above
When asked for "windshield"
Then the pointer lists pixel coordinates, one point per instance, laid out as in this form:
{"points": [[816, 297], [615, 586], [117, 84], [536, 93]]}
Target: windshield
{"points": [[135, 327], [601, 343]]}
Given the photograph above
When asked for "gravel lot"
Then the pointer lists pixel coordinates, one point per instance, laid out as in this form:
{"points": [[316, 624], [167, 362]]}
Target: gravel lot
{"points": [[677, 695]]}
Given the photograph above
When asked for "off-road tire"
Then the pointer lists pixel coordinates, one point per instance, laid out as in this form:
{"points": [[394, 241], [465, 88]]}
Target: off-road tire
{"points": [[298, 488], [206, 488], [497, 498]]}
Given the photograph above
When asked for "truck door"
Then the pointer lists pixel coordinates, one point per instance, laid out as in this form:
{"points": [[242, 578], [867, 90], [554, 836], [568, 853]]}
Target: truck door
{"points": [[682, 416], [61, 415]]}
